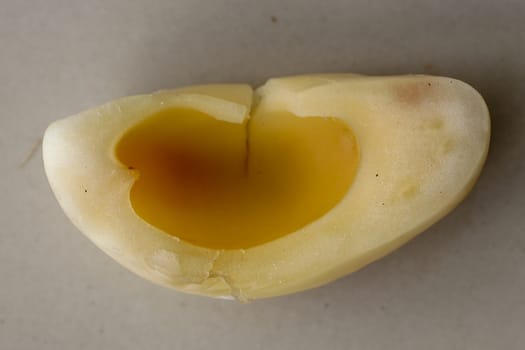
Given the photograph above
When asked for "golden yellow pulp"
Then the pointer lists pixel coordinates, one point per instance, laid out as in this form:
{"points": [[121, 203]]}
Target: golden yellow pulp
{"points": [[226, 185]]}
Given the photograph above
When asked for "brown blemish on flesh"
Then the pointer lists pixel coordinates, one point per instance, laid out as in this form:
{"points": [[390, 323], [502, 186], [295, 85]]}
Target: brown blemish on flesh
{"points": [[412, 93]]}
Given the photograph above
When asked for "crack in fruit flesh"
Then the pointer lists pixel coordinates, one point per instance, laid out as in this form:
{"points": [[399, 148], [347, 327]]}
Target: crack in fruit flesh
{"points": [[225, 185]]}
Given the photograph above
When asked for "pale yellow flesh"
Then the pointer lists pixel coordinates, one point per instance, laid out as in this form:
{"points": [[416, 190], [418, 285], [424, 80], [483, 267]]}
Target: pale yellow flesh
{"points": [[422, 142], [226, 185]]}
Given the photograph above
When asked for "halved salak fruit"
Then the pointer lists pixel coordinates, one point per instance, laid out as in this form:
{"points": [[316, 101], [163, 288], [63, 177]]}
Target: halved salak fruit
{"points": [[222, 191]]}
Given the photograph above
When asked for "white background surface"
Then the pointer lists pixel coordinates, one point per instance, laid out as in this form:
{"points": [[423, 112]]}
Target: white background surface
{"points": [[458, 286]]}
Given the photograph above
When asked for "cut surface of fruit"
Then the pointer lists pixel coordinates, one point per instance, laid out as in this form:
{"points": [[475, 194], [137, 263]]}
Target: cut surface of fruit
{"points": [[227, 185], [231, 192]]}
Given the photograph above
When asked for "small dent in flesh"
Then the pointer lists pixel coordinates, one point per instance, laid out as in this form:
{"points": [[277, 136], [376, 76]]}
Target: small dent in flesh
{"points": [[410, 191], [407, 189], [434, 124], [164, 261], [169, 265], [235, 291], [448, 146]]}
